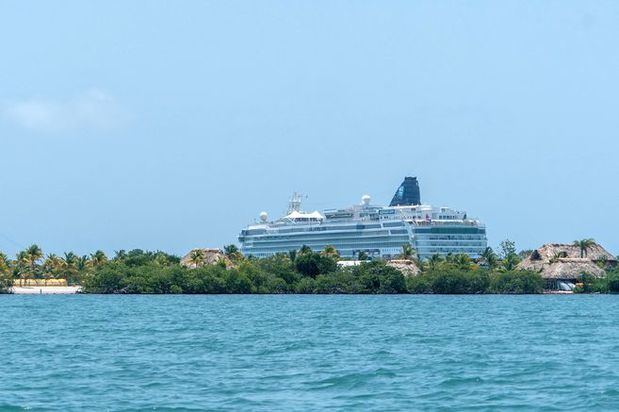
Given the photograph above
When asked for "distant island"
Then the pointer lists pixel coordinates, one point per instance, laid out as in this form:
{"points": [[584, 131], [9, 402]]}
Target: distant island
{"points": [[581, 267]]}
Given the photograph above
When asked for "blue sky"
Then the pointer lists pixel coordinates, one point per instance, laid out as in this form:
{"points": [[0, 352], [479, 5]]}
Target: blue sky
{"points": [[171, 125]]}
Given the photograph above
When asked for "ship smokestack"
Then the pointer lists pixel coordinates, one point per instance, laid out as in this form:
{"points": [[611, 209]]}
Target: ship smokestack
{"points": [[407, 194]]}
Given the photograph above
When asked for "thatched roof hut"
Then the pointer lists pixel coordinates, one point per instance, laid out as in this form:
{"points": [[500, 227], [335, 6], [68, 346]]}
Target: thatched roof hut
{"points": [[407, 267], [208, 257], [553, 250], [563, 261]]}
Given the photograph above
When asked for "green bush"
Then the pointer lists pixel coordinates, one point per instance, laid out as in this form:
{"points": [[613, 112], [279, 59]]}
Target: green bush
{"points": [[456, 281], [613, 282], [419, 284], [305, 272], [312, 264], [592, 284], [6, 283], [305, 285], [517, 282]]}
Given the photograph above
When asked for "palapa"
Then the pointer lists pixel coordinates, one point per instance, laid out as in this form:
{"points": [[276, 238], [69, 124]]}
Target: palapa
{"points": [[564, 261]]}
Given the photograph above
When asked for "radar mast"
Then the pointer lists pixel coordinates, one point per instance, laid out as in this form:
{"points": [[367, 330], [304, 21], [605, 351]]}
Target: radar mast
{"points": [[294, 204]]}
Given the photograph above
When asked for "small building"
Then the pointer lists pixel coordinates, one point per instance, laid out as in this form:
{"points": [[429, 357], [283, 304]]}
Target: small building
{"points": [[203, 257], [563, 265], [406, 266], [349, 263]]}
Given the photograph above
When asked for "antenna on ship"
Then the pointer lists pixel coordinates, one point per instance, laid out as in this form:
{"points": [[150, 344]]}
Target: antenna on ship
{"points": [[294, 204]]}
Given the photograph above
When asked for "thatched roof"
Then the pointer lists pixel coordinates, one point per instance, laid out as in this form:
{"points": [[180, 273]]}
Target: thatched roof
{"points": [[551, 250], [407, 267], [211, 257], [563, 268], [563, 261]]}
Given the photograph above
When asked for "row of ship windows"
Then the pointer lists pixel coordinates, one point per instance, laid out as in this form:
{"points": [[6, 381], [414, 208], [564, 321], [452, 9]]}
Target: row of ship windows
{"points": [[372, 236], [344, 248], [359, 233], [375, 244], [331, 238], [461, 237], [274, 240], [451, 230], [368, 240], [393, 224], [442, 251], [357, 245], [360, 227], [309, 230], [390, 253], [429, 244]]}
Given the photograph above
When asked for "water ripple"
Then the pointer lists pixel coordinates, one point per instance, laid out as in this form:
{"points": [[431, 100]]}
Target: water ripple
{"points": [[270, 353]]}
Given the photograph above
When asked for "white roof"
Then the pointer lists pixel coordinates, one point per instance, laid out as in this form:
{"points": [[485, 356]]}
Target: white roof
{"points": [[302, 215]]}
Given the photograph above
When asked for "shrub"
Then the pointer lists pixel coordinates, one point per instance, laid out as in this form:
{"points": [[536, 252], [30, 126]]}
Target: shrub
{"points": [[592, 284], [312, 264], [419, 284], [517, 282], [459, 282], [305, 285], [612, 281], [377, 277], [6, 283]]}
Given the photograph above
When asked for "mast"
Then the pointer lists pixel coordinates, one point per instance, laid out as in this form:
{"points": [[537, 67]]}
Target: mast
{"points": [[294, 204]]}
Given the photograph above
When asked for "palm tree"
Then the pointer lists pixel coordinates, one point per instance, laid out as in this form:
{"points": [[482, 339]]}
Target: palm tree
{"points": [[69, 265], [510, 262], [34, 254], [22, 267], [490, 258], [463, 261], [196, 257], [120, 254], [492, 261], [83, 262], [449, 257], [98, 258], [4, 263], [161, 259], [305, 249], [584, 245], [407, 252], [69, 260], [434, 261], [232, 252], [330, 251], [292, 255], [362, 255], [51, 266], [27, 262]]}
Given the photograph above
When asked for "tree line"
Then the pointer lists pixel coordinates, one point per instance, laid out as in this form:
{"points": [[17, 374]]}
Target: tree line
{"points": [[302, 271]]}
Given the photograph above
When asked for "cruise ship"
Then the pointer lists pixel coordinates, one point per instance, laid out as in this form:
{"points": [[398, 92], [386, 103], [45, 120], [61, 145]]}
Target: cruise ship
{"points": [[377, 231]]}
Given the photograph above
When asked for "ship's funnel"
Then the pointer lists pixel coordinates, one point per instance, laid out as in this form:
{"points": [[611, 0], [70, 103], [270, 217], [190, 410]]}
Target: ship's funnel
{"points": [[407, 194]]}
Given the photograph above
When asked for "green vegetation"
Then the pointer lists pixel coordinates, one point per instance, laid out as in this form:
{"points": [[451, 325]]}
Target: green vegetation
{"points": [[607, 284], [6, 279], [302, 271], [459, 274]]}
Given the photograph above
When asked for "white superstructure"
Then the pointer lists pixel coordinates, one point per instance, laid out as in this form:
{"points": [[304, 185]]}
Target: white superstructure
{"points": [[378, 231]]}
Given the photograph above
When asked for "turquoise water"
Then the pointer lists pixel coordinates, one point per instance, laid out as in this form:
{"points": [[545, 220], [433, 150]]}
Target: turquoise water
{"points": [[309, 352]]}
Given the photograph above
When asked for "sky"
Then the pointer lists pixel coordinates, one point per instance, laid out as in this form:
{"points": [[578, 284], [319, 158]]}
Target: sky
{"points": [[171, 125]]}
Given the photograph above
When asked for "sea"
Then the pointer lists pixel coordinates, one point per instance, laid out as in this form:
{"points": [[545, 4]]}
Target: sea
{"points": [[309, 352]]}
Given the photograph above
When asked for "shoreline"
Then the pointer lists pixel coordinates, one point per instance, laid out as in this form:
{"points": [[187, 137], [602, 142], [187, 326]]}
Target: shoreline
{"points": [[72, 290], [45, 290]]}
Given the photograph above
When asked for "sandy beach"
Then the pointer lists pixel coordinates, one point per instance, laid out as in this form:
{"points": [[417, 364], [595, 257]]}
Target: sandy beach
{"points": [[46, 290]]}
